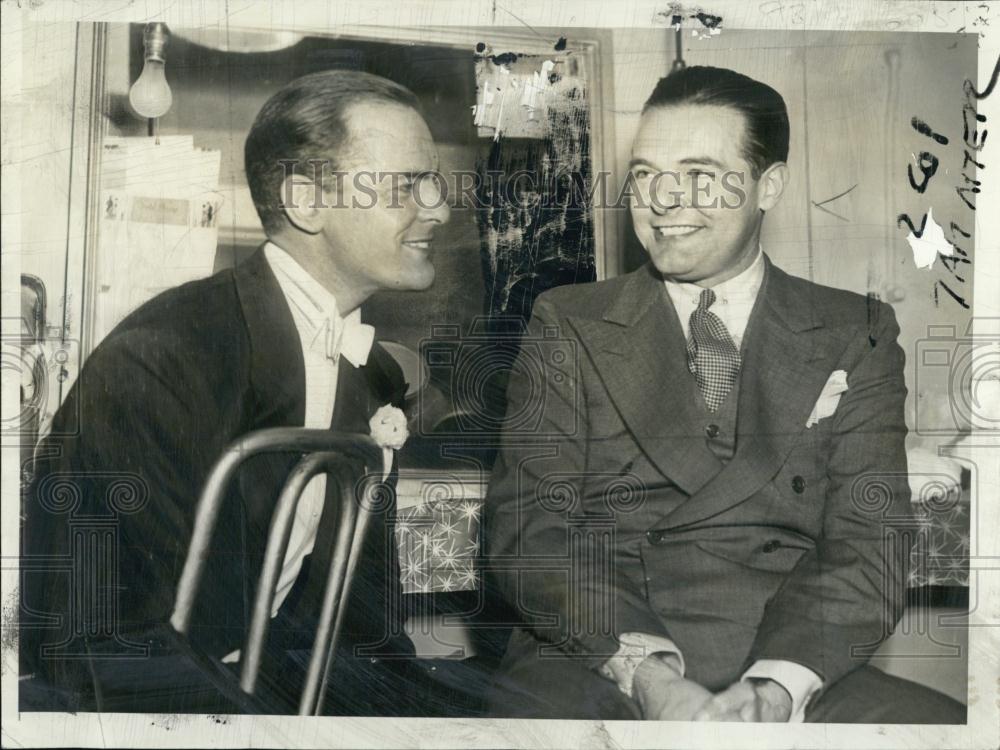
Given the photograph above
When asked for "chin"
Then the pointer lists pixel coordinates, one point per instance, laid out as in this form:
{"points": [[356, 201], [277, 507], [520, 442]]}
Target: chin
{"points": [[419, 281], [670, 262]]}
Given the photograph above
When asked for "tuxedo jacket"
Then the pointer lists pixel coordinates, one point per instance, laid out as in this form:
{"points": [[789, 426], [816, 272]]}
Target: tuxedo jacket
{"points": [[622, 519], [154, 407]]}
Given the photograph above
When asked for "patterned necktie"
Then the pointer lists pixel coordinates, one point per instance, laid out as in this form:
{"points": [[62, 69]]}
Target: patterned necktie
{"points": [[713, 358]]}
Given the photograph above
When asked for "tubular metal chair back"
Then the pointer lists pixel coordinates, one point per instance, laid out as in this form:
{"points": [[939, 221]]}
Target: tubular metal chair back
{"points": [[335, 454]]}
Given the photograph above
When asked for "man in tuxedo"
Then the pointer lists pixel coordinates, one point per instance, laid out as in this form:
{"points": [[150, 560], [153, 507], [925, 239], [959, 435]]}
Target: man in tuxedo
{"points": [[709, 530], [275, 342]]}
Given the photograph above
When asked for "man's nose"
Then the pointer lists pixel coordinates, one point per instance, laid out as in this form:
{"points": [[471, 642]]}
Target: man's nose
{"points": [[668, 193], [663, 206], [433, 206]]}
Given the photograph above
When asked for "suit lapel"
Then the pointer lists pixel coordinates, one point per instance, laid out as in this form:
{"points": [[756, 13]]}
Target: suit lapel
{"points": [[639, 350], [786, 363]]}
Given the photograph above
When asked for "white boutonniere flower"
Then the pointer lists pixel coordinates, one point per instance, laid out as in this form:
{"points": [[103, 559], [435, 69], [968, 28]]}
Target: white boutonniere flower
{"points": [[389, 431], [829, 397]]}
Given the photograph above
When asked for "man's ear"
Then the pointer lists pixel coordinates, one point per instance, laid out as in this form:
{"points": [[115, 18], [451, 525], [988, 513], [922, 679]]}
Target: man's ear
{"points": [[302, 202], [772, 185]]}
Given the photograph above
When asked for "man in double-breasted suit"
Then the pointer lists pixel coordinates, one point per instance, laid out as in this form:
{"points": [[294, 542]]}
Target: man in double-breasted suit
{"points": [[276, 342], [707, 530]]}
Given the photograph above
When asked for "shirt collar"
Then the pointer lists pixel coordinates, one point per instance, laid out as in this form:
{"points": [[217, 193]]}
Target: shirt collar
{"points": [[315, 308], [317, 302], [743, 286]]}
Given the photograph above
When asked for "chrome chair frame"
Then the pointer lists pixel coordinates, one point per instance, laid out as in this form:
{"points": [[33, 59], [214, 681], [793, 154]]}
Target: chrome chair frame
{"points": [[326, 452]]}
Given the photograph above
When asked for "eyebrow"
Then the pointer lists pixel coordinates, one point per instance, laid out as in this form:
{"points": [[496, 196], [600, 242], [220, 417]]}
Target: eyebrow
{"points": [[703, 160], [706, 160], [415, 174], [640, 162]]}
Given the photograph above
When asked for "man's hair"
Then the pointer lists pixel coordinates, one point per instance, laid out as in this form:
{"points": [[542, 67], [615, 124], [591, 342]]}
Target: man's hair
{"points": [[766, 139], [306, 120]]}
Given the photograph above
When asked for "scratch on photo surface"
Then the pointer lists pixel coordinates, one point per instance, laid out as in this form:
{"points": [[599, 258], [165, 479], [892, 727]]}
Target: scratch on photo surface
{"points": [[820, 204], [603, 737], [9, 624]]}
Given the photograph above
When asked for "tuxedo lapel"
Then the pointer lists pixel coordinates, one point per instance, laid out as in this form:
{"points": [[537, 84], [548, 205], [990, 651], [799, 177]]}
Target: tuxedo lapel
{"points": [[639, 350], [361, 391], [277, 388], [277, 368], [786, 362], [352, 407], [359, 394], [277, 382]]}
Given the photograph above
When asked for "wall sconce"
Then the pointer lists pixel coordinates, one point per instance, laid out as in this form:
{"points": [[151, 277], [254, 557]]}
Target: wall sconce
{"points": [[150, 95]]}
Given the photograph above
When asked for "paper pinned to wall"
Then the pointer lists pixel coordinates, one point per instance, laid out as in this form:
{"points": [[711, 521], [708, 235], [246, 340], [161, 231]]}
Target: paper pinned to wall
{"points": [[158, 222], [515, 103]]}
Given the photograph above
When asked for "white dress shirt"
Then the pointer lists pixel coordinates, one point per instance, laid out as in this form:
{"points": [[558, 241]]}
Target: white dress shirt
{"points": [[324, 335], [734, 301]]}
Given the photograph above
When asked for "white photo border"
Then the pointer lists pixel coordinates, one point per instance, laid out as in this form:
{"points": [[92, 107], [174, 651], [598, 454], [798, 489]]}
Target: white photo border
{"points": [[148, 730]]}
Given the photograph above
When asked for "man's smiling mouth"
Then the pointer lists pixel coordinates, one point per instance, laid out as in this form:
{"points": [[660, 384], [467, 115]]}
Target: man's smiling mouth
{"points": [[418, 244], [677, 230]]}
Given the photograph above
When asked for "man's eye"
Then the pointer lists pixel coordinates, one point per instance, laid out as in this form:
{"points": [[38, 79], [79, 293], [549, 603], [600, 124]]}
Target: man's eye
{"points": [[642, 174]]}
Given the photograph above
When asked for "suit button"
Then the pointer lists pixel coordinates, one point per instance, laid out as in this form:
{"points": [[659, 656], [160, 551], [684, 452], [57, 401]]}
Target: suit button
{"points": [[771, 546], [654, 536], [712, 430], [798, 484]]}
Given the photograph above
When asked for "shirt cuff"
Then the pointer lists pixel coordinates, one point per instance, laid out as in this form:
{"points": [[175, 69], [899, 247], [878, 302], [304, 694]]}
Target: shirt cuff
{"points": [[800, 682], [632, 651]]}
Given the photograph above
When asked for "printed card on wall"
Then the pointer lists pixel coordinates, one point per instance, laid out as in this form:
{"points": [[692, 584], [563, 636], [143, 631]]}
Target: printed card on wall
{"points": [[158, 222]]}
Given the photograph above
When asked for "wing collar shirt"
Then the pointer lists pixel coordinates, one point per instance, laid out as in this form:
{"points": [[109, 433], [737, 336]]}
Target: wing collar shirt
{"points": [[324, 336], [735, 299]]}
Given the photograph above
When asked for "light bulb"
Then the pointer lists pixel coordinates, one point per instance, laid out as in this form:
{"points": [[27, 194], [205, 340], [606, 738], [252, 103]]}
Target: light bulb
{"points": [[150, 95]]}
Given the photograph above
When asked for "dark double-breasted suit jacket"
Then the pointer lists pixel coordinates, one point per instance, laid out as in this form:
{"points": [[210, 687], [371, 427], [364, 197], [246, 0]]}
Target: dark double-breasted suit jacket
{"points": [[154, 407], [783, 550]]}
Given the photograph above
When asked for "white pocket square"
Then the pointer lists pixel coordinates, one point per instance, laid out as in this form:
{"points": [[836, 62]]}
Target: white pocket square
{"points": [[828, 399]]}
